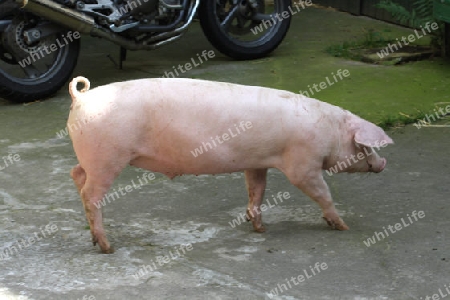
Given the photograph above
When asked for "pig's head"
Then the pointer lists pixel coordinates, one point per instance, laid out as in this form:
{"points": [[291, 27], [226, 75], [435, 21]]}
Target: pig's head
{"points": [[356, 150]]}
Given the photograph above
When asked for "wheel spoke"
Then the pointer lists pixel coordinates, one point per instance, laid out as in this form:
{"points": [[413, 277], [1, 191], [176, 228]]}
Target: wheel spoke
{"points": [[241, 21], [229, 18], [31, 71], [260, 17]]}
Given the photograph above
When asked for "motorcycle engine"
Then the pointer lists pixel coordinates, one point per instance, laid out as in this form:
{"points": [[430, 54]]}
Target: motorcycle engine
{"points": [[120, 12], [139, 9]]}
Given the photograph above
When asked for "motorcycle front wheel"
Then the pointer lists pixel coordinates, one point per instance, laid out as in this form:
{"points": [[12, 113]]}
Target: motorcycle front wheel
{"points": [[37, 70], [245, 29]]}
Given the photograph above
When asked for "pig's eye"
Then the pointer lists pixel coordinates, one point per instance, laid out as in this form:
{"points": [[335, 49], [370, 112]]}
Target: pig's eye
{"points": [[370, 166]]}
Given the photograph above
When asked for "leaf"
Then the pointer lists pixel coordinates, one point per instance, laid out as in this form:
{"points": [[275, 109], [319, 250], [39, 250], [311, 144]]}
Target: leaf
{"points": [[397, 11]]}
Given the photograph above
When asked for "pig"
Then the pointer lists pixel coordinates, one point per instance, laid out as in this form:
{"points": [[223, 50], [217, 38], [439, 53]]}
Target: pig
{"points": [[162, 124]]}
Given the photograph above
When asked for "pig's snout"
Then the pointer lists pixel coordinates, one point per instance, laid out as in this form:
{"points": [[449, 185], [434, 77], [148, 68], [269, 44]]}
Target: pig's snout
{"points": [[378, 169]]}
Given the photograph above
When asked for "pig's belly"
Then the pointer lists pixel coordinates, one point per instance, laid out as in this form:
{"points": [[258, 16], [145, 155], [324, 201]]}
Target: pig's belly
{"points": [[209, 164]]}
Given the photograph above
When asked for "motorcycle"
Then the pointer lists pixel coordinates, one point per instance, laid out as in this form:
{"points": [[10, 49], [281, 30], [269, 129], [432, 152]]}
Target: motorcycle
{"points": [[40, 39]]}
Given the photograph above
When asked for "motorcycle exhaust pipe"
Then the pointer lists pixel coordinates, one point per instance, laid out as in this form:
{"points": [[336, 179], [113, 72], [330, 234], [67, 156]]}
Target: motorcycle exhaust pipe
{"points": [[82, 23], [59, 14]]}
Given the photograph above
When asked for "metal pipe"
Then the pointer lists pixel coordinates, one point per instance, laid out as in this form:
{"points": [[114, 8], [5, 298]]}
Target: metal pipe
{"points": [[85, 24], [179, 30], [59, 14]]}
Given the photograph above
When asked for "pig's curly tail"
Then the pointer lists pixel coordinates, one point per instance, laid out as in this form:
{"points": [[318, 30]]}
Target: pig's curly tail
{"points": [[73, 87]]}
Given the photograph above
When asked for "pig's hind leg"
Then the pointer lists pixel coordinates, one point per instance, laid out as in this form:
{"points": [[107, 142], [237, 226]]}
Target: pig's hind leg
{"points": [[93, 186], [79, 177], [314, 186], [256, 184]]}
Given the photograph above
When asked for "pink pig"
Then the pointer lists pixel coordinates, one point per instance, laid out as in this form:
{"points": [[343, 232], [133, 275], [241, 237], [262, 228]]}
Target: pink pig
{"points": [[186, 126]]}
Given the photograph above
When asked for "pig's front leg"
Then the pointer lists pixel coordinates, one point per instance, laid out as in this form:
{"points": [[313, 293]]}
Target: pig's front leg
{"points": [[256, 184], [317, 189]]}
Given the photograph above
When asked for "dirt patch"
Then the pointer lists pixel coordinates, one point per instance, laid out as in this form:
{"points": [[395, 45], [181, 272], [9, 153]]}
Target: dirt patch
{"points": [[384, 56]]}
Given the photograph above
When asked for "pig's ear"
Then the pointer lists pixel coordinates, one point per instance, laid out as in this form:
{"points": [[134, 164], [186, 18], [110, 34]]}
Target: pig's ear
{"points": [[370, 135]]}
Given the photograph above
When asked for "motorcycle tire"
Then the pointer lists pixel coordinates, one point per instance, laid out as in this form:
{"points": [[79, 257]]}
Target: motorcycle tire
{"points": [[222, 39], [34, 88], [6, 7]]}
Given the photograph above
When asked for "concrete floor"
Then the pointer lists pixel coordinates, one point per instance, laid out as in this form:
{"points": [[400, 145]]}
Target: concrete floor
{"points": [[221, 262]]}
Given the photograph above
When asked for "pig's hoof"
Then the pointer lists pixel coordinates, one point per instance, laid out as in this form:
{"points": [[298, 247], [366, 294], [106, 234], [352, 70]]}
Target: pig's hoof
{"points": [[339, 225], [110, 250], [260, 229], [248, 215], [342, 227]]}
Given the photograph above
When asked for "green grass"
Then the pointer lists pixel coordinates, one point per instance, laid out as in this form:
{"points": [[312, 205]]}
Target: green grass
{"points": [[351, 50], [399, 120]]}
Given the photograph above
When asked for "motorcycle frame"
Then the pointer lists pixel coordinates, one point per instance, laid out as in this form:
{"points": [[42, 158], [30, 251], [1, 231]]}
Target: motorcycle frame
{"points": [[77, 21]]}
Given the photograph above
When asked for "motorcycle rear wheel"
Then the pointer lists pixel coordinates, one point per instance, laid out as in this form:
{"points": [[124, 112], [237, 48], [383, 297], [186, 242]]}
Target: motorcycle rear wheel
{"points": [[39, 79], [232, 27]]}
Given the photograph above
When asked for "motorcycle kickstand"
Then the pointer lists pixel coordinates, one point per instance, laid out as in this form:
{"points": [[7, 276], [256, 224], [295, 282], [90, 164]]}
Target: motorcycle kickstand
{"points": [[122, 58]]}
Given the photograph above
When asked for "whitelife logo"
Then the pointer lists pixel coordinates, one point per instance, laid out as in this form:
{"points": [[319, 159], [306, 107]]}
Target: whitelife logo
{"points": [[11, 158], [188, 66], [161, 260], [225, 136], [147, 177], [439, 296], [22, 244], [129, 6], [242, 218], [81, 122], [391, 48], [325, 84], [71, 36], [341, 165], [431, 117], [265, 24], [318, 267], [398, 226]]}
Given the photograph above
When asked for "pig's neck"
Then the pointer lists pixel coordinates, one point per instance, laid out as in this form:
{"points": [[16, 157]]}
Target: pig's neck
{"points": [[341, 141]]}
